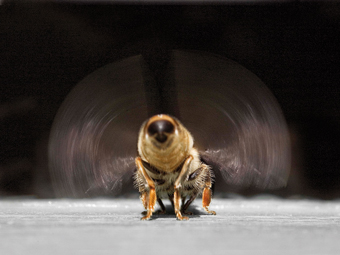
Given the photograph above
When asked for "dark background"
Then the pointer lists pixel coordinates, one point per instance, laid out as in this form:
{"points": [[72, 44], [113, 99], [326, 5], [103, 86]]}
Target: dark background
{"points": [[45, 49]]}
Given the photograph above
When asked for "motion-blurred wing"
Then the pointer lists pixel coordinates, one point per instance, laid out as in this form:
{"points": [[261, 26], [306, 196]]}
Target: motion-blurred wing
{"points": [[94, 135], [235, 120]]}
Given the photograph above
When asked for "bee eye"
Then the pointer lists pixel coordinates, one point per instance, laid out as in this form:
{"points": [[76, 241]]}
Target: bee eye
{"points": [[160, 126]]}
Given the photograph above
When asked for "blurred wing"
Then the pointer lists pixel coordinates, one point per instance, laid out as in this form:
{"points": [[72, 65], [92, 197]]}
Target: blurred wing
{"points": [[93, 141], [235, 120]]}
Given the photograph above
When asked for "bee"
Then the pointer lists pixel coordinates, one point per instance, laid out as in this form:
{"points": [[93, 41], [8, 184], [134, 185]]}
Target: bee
{"points": [[168, 166], [241, 137]]}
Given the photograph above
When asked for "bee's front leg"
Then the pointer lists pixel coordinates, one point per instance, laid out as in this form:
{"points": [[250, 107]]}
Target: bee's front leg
{"points": [[177, 186], [149, 196]]}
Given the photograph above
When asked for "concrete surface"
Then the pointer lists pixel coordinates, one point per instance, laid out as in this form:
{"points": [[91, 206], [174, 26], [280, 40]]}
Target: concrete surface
{"points": [[105, 226]]}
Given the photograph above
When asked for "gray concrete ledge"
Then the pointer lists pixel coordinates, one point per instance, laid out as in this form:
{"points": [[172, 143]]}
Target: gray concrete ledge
{"points": [[105, 226]]}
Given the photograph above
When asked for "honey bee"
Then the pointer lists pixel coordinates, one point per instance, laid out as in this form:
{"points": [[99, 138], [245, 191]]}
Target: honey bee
{"points": [[168, 166], [241, 137]]}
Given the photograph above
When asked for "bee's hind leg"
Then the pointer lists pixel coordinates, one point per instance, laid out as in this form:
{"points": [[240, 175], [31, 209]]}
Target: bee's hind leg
{"points": [[206, 196], [206, 199], [162, 210]]}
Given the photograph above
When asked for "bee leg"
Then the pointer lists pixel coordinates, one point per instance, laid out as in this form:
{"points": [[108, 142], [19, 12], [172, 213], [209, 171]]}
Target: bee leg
{"points": [[177, 186], [150, 197], [183, 202], [177, 206], [182, 210], [186, 205], [162, 210], [191, 177], [206, 199], [171, 198], [206, 196], [144, 197]]}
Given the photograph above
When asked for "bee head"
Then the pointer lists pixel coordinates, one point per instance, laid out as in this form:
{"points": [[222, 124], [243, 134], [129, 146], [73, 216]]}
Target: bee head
{"points": [[160, 128]]}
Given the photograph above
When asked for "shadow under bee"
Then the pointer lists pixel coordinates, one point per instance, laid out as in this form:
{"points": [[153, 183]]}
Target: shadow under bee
{"points": [[170, 213]]}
